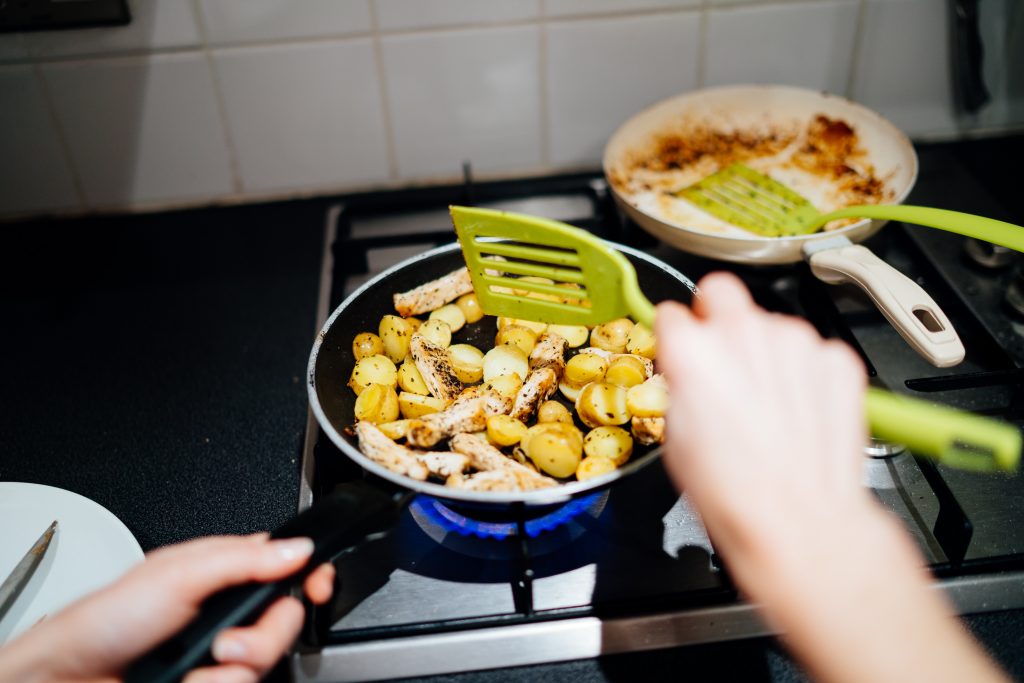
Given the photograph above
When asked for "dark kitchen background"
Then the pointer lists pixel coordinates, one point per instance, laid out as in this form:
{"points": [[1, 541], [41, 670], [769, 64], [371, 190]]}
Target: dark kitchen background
{"points": [[183, 197]]}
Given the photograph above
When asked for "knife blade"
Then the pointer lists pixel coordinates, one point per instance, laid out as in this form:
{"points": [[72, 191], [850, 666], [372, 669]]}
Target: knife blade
{"points": [[12, 586]]}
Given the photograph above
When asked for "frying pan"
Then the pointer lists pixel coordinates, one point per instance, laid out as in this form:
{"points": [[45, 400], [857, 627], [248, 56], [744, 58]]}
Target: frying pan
{"points": [[360, 511], [761, 110]]}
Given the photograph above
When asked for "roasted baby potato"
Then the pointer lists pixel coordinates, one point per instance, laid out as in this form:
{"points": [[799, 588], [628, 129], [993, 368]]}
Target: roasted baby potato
{"points": [[395, 333], [584, 368], [554, 447], [611, 336], [641, 341], [410, 379], [576, 335], [612, 443], [649, 399], [416, 405], [373, 370], [467, 362], [505, 430], [600, 403], [506, 385], [517, 335], [451, 314], [377, 403], [594, 466], [367, 344], [505, 360], [437, 331], [470, 307], [553, 411], [625, 370]]}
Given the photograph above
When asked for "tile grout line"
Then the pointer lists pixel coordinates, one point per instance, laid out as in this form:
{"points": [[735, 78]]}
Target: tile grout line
{"points": [[62, 138], [390, 145], [859, 28], [544, 101], [234, 166]]}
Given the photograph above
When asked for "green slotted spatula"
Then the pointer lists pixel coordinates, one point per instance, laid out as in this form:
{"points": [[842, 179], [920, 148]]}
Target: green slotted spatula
{"points": [[500, 248], [753, 201]]}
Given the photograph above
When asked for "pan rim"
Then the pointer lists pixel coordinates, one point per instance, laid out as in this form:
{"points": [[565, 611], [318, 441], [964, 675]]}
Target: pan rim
{"points": [[542, 497], [883, 122]]}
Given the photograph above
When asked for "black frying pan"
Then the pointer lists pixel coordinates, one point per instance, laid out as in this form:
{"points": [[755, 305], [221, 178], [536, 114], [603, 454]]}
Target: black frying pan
{"points": [[360, 511]]}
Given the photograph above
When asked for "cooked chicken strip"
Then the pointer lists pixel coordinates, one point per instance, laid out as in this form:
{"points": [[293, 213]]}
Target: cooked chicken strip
{"points": [[487, 458], [649, 430], [467, 413], [547, 361], [494, 480], [433, 363], [539, 385], [434, 294], [382, 450], [444, 464], [549, 352]]}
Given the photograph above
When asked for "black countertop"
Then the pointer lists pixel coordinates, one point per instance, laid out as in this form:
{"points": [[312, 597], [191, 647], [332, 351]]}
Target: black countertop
{"points": [[154, 364]]}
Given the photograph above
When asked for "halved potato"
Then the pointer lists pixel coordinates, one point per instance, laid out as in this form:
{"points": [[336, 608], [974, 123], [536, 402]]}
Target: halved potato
{"points": [[373, 370], [611, 336], [641, 341], [467, 362], [600, 403], [366, 344], [396, 429], [613, 443], [594, 466], [506, 385], [505, 430], [517, 335], [470, 307], [584, 368], [395, 333], [410, 379], [576, 335], [625, 370], [437, 331], [553, 411], [416, 405], [505, 360], [451, 314], [649, 399], [377, 403], [554, 447]]}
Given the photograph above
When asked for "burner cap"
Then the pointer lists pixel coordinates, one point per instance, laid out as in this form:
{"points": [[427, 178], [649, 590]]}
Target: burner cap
{"points": [[442, 515]]}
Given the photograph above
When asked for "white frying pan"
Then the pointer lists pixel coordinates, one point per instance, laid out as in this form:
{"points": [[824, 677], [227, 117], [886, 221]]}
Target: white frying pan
{"points": [[834, 257]]}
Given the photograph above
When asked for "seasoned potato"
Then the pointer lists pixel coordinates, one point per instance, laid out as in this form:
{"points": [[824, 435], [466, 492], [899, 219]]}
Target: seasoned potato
{"points": [[625, 370], [571, 393], [416, 405], [584, 368], [517, 335], [554, 447], [612, 443], [437, 331], [576, 335], [553, 411], [649, 399], [395, 333], [593, 466], [377, 403], [415, 322], [505, 360], [505, 430], [600, 403], [373, 370], [611, 336], [538, 328], [506, 385], [451, 314], [395, 430], [467, 362], [410, 379], [470, 307], [641, 341], [367, 344]]}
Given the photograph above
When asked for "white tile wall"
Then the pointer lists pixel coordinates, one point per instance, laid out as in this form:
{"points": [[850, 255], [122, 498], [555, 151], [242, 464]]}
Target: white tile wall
{"points": [[142, 129], [156, 24], [602, 71], [198, 100], [802, 44], [413, 14], [233, 21], [557, 8], [323, 125], [33, 175], [464, 96], [904, 66]]}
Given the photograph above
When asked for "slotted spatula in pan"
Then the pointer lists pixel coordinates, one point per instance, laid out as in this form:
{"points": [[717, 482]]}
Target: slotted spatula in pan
{"points": [[753, 201], [501, 248]]}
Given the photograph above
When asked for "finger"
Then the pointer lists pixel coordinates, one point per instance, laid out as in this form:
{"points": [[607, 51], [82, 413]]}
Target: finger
{"points": [[199, 568], [319, 584], [228, 673], [260, 646], [723, 295]]}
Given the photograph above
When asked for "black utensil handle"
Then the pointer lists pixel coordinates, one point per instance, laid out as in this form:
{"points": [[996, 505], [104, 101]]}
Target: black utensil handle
{"points": [[352, 514]]}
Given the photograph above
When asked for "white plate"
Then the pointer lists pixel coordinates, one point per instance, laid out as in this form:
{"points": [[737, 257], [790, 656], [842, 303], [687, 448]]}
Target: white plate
{"points": [[90, 549]]}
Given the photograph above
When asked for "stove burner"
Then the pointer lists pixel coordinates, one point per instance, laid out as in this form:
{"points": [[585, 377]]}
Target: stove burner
{"points": [[877, 448], [437, 513]]}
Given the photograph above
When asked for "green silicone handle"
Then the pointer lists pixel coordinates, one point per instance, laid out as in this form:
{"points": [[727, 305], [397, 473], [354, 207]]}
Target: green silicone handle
{"points": [[953, 437], [988, 229]]}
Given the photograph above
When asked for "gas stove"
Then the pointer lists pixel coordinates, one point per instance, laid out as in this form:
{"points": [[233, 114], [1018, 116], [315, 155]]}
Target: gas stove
{"points": [[632, 568]]}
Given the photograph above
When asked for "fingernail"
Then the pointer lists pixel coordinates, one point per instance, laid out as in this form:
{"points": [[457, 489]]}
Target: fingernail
{"points": [[228, 649], [291, 548]]}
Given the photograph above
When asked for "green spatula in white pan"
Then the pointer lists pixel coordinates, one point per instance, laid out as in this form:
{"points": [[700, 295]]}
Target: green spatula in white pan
{"points": [[501, 247]]}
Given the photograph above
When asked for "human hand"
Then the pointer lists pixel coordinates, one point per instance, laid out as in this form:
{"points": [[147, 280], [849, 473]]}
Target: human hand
{"points": [[96, 638], [765, 434]]}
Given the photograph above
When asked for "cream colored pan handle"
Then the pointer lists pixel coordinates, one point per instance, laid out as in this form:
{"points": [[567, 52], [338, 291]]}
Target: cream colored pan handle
{"points": [[913, 313]]}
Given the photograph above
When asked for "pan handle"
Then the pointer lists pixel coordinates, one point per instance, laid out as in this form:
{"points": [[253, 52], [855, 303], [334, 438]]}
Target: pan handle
{"points": [[355, 513], [913, 313]]}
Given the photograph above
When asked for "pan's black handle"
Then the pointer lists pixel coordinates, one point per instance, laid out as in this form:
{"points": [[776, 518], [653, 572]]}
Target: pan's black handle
{"points": [[968, 54], [353, 514]]}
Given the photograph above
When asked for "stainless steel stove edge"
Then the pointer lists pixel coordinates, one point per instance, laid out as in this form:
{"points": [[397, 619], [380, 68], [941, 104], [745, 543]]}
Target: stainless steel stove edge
{"points": [[588, 637]]}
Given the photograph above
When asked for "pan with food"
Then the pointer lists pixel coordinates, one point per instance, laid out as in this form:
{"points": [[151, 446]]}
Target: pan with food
{"points": [[834, 152]]}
